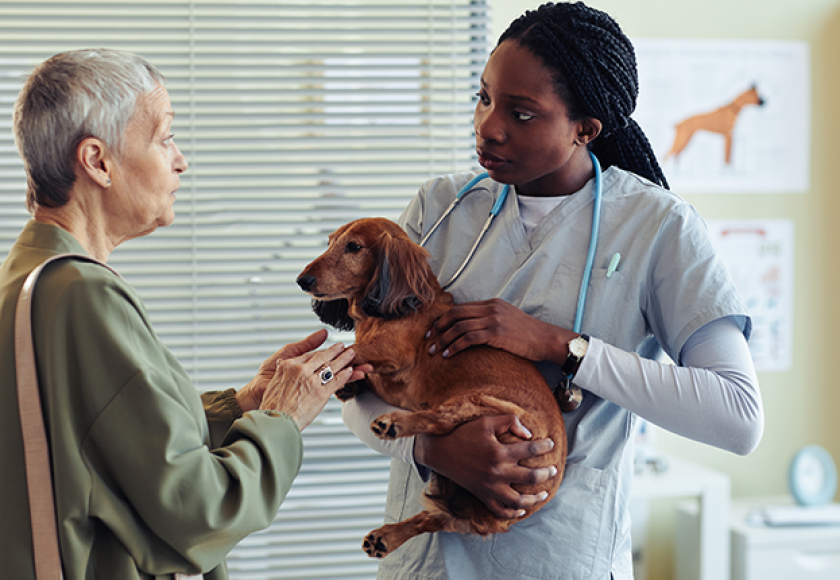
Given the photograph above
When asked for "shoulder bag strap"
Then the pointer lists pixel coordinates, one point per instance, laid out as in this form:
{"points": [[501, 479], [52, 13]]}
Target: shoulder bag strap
{"points": [[35, 444]]}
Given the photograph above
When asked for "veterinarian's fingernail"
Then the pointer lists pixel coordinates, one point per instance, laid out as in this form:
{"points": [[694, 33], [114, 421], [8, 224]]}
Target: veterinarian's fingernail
{"points": [[428, 333], [520, 513], [542, 496], [432, 349], [553, 471], [445, 353]]}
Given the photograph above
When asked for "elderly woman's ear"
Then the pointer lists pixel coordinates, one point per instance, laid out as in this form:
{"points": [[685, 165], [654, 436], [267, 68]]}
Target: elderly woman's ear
{"points": [[95, 160]]}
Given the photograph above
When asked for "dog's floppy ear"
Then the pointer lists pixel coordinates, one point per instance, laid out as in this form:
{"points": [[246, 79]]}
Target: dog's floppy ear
{"points": [[402, 280], [334, 313]]}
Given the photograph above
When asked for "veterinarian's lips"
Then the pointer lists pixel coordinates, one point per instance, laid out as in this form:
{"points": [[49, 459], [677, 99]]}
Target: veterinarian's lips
{"points": [[489, 161]]}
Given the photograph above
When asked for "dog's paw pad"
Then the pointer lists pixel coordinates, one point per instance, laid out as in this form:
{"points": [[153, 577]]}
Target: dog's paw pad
{"points": [[374, 546], [385, 428], [347, 392]]}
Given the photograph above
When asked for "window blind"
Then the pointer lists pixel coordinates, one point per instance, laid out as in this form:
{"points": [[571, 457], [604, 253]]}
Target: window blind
{"points": [[296, 117]]}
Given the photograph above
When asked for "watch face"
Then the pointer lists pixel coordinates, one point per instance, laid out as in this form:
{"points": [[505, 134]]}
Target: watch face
{"points": [[577, 347], [813, 476]]}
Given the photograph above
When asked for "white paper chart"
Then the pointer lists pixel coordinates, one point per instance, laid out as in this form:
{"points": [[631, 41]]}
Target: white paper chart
{"points": [[759, 256]]}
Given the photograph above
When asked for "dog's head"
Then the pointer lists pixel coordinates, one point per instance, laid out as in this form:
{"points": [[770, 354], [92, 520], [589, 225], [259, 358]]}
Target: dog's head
{"points": [[370, 269]]}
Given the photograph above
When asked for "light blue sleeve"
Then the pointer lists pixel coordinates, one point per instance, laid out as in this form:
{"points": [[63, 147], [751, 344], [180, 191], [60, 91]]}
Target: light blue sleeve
{"points": [[688, 285], [411, 219]]}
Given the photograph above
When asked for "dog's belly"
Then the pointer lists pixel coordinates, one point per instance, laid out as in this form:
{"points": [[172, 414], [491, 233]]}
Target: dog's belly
{"points": [[478, 373]]}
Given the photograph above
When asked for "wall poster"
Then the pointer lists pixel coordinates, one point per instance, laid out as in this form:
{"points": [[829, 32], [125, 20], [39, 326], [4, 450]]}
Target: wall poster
{"points": [[727, 116]]}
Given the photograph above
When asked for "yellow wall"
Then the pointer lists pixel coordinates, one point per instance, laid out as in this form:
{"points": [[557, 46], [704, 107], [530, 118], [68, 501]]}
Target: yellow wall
{"points": [[801, 405]]}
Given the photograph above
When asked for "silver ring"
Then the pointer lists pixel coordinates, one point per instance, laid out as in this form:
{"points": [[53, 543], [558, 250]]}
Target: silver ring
{"points": [[326, 375]]}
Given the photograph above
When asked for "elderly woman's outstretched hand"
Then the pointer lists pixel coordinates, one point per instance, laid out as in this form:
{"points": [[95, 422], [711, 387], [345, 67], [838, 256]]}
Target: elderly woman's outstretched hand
{"points": [[297, 381]]}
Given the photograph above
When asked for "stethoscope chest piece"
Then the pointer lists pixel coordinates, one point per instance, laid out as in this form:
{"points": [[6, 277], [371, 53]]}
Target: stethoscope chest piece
{"points": [[569, 396]]}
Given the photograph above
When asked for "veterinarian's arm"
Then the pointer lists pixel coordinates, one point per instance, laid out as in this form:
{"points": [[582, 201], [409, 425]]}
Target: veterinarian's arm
{"points": [[713, 398], [358, 413]]}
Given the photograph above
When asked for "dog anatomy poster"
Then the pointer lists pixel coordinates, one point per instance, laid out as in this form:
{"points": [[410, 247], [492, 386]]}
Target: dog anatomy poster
{"points": [[759, 257], [727, 116]]}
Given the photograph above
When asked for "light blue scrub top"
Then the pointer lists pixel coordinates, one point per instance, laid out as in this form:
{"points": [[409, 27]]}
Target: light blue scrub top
{"points": [[669, 283]]}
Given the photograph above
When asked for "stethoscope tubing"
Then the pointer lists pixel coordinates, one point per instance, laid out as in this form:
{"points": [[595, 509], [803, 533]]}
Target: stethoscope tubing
{"points": [[494, 211], [593, 244]]}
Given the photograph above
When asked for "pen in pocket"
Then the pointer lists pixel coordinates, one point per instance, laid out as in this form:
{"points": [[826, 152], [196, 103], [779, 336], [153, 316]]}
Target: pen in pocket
{"points": [[613, 264]]}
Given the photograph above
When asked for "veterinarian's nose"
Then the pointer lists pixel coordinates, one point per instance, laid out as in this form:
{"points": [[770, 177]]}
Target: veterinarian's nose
{"points": [[487, 126], [306, 282]]}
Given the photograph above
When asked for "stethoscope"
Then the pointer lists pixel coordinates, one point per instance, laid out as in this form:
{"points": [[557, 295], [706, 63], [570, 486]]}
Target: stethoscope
{"points": [[573, 391]]}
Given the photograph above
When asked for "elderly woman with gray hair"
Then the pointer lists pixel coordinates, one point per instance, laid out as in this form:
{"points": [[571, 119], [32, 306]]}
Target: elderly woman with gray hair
{"points": [[151, 480]]}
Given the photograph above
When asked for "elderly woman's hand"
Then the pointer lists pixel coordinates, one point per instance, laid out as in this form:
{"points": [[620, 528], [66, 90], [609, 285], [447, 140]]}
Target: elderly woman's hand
{"points": [[288, 381], [250, 397], [303, 385]]}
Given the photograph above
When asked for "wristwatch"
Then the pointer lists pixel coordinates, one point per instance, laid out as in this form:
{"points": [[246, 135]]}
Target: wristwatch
{"points": [[570, 396], [577, 350]]}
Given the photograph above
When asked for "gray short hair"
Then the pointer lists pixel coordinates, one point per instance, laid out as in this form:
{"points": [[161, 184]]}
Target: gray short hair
{"points": [[68, 98]]}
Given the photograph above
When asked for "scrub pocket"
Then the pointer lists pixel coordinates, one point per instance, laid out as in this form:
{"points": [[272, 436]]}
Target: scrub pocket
{"points": [[611, 309], [563, 536]]}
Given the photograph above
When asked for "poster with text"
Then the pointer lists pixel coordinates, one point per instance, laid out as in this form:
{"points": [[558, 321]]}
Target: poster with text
{"points": [[727, 116], [759, 256]]}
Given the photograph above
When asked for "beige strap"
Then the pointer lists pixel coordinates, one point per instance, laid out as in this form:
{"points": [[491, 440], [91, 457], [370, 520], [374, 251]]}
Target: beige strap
{"points": [[36, 447]]}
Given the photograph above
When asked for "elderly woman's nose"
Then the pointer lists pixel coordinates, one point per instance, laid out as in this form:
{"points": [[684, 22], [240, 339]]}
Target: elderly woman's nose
{"points": [[180, 164]]}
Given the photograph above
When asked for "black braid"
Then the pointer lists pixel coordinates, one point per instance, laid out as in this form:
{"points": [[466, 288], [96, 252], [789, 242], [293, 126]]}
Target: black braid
{"points": [[595, 75]]}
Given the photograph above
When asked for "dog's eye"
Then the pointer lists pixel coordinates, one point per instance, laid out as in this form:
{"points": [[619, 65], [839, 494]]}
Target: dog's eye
{"points": [[353, 247]]}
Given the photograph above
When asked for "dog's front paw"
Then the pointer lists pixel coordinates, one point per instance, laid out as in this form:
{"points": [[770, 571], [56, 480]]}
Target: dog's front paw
{"points": [[350, 390], [386, 427], [374, 545]]}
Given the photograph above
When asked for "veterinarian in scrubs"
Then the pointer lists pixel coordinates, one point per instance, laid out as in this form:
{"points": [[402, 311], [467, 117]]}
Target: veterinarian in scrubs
{"points": [[560, 84], [150, 479]]}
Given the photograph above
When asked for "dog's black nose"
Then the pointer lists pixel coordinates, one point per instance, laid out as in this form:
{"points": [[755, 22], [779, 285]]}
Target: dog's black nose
{"points": [[306, 282]]}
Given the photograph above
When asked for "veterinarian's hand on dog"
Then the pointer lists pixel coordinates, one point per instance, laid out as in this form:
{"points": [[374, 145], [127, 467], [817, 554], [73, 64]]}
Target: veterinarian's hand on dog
{"points": [[490, 467], [288, 381], [498, 324]]}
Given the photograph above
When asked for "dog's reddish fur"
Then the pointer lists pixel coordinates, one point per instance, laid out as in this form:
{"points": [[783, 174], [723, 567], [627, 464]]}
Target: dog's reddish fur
{"points": [[375, 279]]}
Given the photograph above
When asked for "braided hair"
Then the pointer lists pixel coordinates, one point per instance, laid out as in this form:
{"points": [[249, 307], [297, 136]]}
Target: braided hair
{"points": [[594, 71]]}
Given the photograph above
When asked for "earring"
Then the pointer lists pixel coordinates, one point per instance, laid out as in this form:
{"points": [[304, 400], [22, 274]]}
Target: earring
{"points": [[108, 182]]}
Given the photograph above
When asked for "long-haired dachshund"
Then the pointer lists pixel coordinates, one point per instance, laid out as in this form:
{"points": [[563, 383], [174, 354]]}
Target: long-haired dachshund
{"points": [[374, 279]]}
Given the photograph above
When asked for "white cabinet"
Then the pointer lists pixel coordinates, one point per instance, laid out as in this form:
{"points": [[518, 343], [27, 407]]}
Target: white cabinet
{"points": [[710, 551], [760, 552]]}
